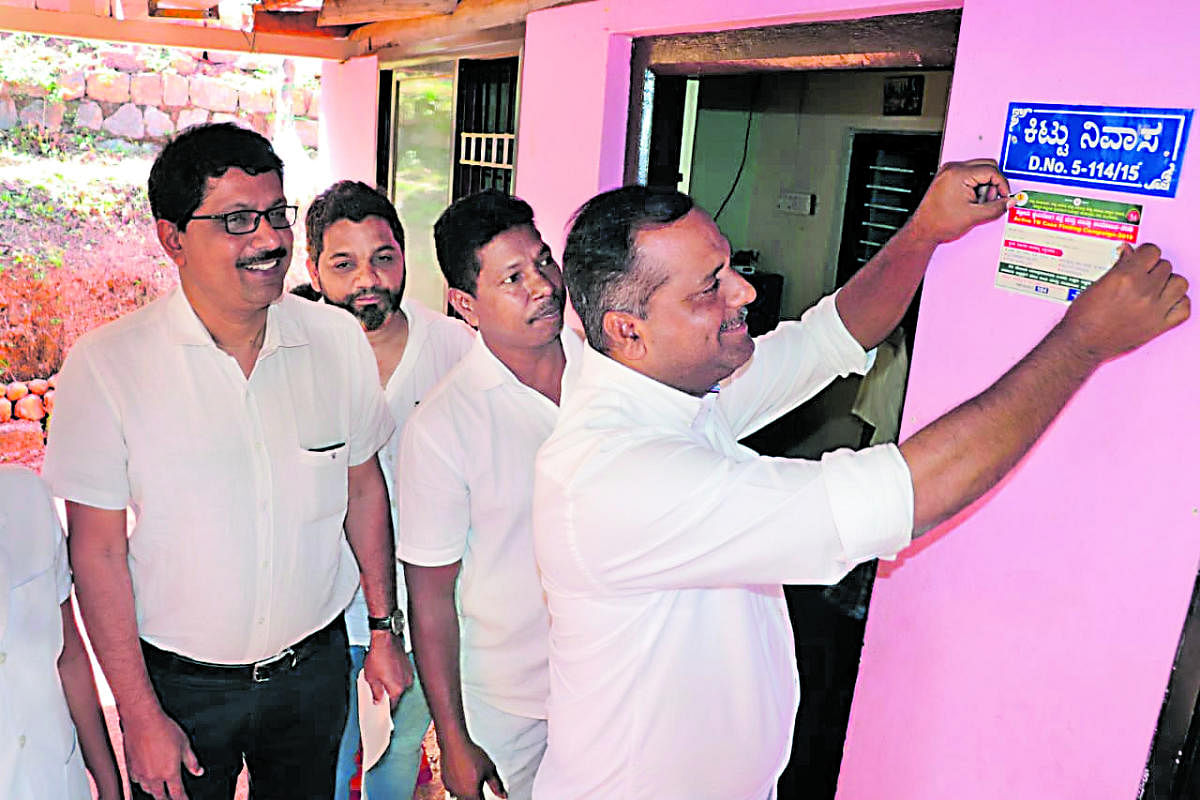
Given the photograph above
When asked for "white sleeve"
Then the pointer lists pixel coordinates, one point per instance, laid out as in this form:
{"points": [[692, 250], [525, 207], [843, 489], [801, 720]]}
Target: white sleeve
{"points": [[86, 456], [790, 365], [670, 513], [432, 498]]}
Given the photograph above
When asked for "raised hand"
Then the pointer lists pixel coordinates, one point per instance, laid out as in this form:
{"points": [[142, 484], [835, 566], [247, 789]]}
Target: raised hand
{"points": [[963, 194], [1135, 301]]}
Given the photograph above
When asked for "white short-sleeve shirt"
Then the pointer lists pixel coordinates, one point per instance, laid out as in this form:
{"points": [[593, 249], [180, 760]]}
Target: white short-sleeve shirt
{"points": [[239, 485], [663, 544], [436, 343], [39, 754], [464, 484]]}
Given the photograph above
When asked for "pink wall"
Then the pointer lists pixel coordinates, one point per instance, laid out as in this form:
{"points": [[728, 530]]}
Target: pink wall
{"points": [[349, 104], [1022, 650], [1025, 650], [575, 85]]}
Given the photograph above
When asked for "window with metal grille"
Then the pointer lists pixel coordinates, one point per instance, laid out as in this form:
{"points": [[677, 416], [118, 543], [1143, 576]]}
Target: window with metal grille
{"points": [[485, 125]]}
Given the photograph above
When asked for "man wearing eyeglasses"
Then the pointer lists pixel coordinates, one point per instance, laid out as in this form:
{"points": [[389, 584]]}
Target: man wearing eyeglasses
{"points": [[242, 429]]}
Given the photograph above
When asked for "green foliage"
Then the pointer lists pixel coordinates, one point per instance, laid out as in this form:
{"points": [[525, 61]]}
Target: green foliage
{"points": [[26, 203], [156, 59], [21, 141]]}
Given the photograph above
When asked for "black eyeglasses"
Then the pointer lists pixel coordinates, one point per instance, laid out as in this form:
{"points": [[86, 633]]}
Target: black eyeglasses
{"points": [[239, 223]]}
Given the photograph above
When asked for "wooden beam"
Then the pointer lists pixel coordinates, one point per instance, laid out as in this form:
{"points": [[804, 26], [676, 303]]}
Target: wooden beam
{"points": [[184, 9], [166, 33], [354, 12], [487, 43], [470, 16], [296, 23], [907, 41], [289, 5]]}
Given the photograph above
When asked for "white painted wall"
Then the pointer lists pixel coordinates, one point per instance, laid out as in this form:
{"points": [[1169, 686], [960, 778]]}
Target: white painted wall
{"points": [[799, 141]]}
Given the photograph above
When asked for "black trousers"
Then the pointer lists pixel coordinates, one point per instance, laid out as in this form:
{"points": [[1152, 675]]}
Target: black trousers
{"points": [[828, 647], [287, 728]]}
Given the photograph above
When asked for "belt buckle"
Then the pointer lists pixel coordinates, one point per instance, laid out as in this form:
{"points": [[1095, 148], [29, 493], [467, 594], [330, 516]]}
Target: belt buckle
{"points": [[262, 669]]}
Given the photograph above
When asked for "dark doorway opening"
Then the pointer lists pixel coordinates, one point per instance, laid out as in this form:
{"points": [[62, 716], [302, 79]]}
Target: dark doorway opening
{"points": [[746, 88]]}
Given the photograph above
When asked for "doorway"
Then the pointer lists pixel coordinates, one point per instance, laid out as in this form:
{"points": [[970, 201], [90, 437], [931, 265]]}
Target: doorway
{"points": [[787, 137]]}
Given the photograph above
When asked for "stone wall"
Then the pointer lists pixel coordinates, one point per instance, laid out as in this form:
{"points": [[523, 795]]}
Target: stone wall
{"points": [[127, 93]]}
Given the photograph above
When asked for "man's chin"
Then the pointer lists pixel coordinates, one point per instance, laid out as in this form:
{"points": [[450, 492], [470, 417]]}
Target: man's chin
{"points": [[371, 318], [741, 354]]}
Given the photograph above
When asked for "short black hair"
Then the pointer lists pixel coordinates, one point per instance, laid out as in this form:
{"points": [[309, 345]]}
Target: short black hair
{"points": [[306, 291], [352, 200], [180, 174], [600, 260], [468, 225]]}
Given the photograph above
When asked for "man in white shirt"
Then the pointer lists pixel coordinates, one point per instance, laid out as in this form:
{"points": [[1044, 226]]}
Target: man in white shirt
{"points": [[465, 479], [242, 429], [356, 262], [663, 542], [46, 680]]}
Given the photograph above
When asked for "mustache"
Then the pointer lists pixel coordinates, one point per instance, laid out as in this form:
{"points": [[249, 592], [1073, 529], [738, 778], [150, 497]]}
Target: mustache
{"points": [[269, 255], [551, 305], [738, 319], [378, 291]]}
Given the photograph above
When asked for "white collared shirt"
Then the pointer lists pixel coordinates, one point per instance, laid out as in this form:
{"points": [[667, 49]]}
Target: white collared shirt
{"points": [[465, 480], [662, 544], [239, 486], [39, 754], [436, 343]]}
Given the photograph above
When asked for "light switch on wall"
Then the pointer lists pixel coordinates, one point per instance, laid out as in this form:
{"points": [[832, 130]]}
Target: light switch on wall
{"points": [[801, 203]]}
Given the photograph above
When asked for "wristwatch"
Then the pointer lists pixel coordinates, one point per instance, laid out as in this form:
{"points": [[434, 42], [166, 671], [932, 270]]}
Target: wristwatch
{"points": [[393, 622]]}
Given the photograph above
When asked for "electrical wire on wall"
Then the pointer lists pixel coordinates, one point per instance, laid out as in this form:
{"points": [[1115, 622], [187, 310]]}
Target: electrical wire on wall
{"points": [[745, 147]]}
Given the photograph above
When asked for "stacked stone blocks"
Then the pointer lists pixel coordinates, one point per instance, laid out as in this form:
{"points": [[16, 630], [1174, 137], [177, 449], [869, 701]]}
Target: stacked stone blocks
{"points": [[121, 96]]}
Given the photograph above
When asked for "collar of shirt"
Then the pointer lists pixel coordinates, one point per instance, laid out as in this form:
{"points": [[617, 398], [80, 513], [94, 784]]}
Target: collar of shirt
{"points": [[484, 371], [601, 375], [185, 328], [417, 332]]}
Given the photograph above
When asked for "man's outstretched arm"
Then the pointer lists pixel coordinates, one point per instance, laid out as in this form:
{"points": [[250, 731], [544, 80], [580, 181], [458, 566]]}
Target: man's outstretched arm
{"points": [[962, 195], [958, 457]]}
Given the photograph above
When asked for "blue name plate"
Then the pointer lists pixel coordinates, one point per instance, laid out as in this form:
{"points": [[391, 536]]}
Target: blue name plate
{"points": [[1136, 150]]}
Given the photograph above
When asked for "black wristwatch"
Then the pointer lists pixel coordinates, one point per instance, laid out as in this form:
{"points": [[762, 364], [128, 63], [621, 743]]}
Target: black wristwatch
{"points": [[393, 622]]}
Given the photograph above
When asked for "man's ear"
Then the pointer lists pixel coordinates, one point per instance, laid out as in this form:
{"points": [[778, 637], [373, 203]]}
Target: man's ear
{"points": [[169, 238], [314, 277], [464, 304], [623, 336]]}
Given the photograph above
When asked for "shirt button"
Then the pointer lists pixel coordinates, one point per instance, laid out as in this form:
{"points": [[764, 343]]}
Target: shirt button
{"points": [[261, 620], [21, 740], [3, 657]]}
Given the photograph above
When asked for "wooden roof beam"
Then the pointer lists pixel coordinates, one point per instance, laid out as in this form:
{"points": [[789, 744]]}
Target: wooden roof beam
{"points": [[354, 12], [167, 33], [470, 17], [296, 23]]}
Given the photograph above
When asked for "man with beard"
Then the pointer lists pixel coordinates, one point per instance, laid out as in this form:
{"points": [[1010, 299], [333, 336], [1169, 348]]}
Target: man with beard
{"points": [[356, 262], [243, 430], [479, 621]]}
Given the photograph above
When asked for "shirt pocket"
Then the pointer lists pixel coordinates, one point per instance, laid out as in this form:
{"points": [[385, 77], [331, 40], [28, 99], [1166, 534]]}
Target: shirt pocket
{"points": [[322, 479]]}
